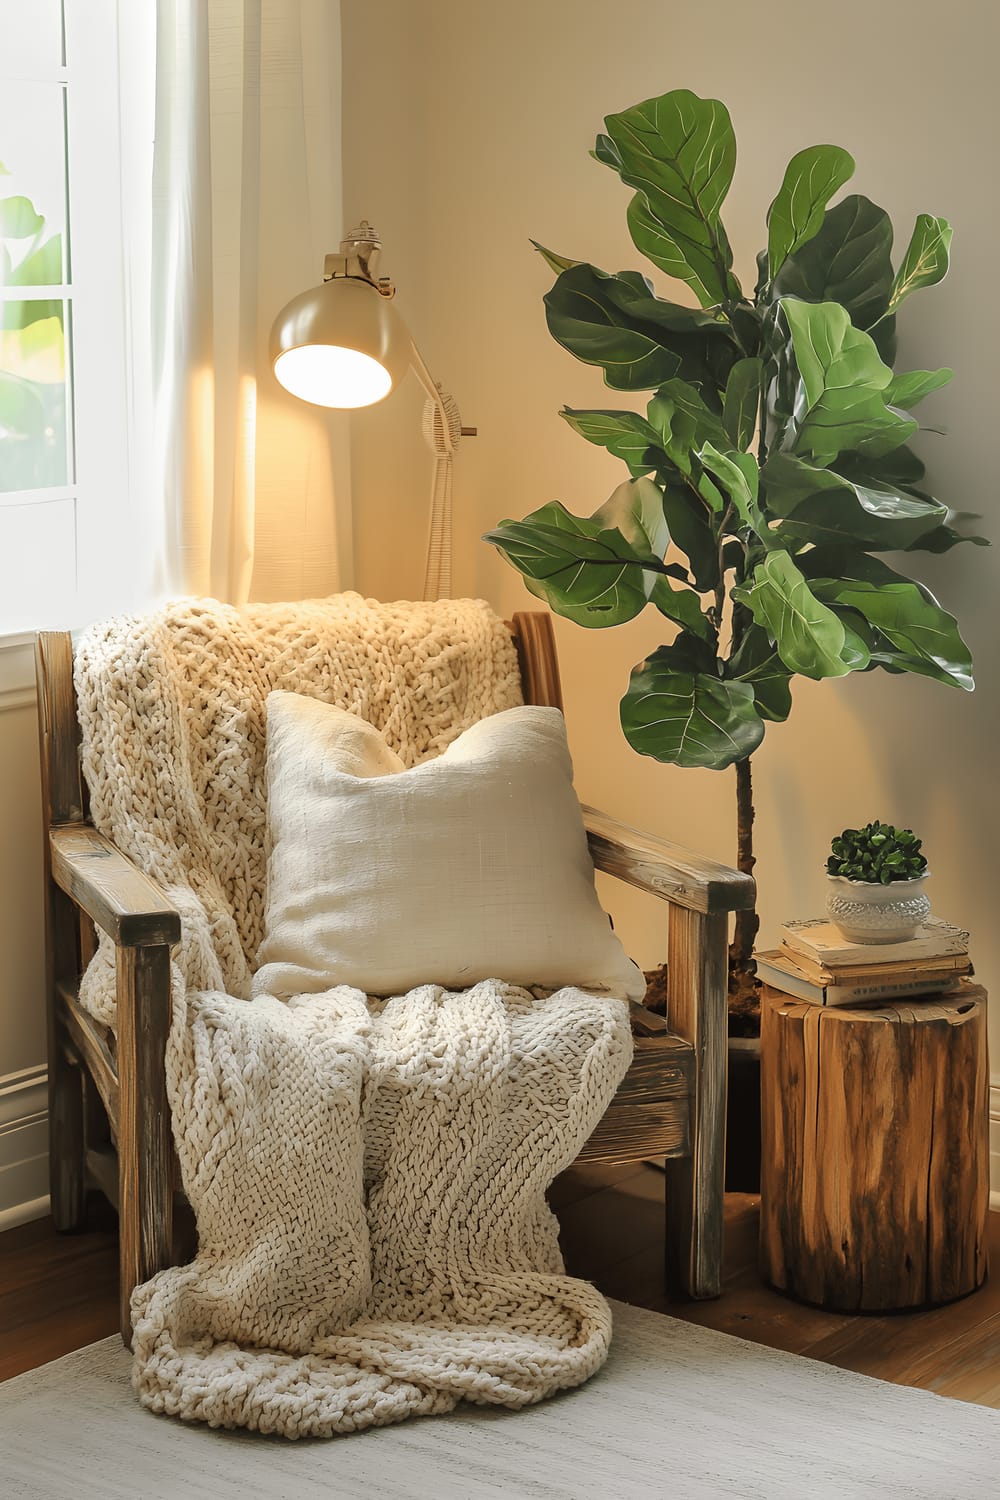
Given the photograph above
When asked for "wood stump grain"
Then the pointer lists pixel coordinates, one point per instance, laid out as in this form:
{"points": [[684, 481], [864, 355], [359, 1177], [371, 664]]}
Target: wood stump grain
{"points": [[875, 1150]]}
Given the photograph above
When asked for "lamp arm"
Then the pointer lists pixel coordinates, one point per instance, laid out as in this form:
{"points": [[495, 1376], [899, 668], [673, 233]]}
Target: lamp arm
{"points": [[427, 381]]}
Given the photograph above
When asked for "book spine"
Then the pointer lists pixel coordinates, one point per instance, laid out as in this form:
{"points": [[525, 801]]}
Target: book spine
{"points": [[790, 984], [852, 994], [876, 973], [845, 995]]}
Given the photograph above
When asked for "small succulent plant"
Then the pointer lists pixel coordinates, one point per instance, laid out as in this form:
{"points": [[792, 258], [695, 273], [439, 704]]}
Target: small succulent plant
{"points": [[877, 853]]}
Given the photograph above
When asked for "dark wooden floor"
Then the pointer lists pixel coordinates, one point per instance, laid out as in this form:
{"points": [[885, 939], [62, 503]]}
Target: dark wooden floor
{"points": [[58, 1292]]}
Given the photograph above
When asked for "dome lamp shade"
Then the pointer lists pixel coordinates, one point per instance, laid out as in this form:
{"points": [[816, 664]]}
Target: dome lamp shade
{"points": [[341, 344]]}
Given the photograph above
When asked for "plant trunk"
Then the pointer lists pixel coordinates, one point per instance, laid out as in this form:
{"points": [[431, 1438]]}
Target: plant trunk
{"points": [[744, 1003]]}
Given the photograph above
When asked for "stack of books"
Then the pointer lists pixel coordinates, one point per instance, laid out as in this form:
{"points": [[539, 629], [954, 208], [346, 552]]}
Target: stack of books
{"points": [[816, 963]]}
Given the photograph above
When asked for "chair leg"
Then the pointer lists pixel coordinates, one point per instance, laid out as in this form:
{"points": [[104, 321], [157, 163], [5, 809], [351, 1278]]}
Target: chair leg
{"points": [[145, 1185], [693, 1233], [67, 1146], [696, 1010]]}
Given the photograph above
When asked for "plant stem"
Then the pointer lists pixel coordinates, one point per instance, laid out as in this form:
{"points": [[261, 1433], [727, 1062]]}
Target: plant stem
{"points": [[720, 588], [742, 969], [741, 965]]}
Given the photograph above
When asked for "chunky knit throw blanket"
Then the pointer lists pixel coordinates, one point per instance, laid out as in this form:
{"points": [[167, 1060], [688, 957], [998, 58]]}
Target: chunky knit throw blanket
{"points": [[368, 1176]]}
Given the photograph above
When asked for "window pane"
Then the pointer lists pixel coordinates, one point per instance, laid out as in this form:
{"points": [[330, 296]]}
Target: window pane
{"points": [[38, 563], [32, 38], [33, 395], [32, 184]]}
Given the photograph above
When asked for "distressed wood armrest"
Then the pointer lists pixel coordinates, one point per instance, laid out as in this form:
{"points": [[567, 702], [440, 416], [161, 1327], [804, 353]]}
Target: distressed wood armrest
{"points": [[123, 901], [666, 869]]}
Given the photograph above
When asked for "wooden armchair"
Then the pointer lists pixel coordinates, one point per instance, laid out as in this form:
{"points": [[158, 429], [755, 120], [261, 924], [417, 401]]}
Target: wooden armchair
{"points": [[109, 1121]]}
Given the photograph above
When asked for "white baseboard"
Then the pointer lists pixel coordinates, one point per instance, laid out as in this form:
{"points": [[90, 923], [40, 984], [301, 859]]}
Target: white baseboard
{"points": [[24, 1146], [23, 1213]]}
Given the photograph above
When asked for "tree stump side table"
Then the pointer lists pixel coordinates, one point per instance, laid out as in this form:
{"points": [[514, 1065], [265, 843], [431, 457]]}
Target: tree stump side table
{"points": [[875, 1150]]}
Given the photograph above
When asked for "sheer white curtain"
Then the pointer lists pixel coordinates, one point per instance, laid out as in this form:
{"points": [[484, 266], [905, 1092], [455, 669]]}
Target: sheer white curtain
{"points": [[246, 201]]}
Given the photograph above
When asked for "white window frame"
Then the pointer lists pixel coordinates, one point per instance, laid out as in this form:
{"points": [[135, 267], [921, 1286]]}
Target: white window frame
{"points": [[109, 79]]}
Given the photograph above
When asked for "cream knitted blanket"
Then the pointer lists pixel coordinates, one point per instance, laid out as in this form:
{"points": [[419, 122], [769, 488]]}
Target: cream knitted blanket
{"points": [[368, 1176], [172, 715]]}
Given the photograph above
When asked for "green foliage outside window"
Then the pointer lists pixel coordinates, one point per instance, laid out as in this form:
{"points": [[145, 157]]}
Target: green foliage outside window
{"points": [[32, 351]]}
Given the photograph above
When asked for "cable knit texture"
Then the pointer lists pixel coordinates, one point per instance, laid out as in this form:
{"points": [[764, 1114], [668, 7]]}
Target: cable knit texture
{"points": [[172, 711], [368, 1176]]}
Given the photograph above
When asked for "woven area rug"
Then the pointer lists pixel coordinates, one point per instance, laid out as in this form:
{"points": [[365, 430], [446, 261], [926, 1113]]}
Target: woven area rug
{"points": [[677, 1411]]}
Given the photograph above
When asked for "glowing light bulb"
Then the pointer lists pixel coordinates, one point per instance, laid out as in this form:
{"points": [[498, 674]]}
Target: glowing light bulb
{"points": [[330, 375]]}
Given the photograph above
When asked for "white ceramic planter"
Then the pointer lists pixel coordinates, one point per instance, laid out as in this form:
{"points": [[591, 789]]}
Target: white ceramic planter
{"points": [[868, 913]]}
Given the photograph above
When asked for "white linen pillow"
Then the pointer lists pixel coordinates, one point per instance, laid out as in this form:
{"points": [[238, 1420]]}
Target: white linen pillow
{"points": [[473, 865]]}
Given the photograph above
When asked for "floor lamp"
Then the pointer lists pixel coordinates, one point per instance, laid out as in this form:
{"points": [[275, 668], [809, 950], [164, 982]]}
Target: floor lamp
{"points": [[343, 344]]}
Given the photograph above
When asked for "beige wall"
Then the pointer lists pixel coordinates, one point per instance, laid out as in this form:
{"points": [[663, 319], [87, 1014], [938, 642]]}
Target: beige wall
{"points": [[466, 130]]}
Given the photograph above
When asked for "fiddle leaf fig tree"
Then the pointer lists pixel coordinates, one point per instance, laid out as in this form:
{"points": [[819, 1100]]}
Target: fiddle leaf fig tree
{"points": [[772, 461]]}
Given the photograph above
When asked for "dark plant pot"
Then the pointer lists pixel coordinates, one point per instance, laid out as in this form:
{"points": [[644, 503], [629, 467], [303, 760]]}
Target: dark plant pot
{"points": [[743, 1116]]}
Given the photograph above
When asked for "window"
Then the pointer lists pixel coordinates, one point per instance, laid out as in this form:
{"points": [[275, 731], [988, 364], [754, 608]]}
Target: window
{"points": [[75, 131]]}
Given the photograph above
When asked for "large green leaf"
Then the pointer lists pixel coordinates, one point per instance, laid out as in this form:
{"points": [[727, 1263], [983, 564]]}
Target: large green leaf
{"points": [[811, 179], [585, 316], [901, 467], [583, 570], [638, 339], [742, 399], [848, 260], [682, 420], [678, 709], [682, 606], [757, 662], [827, 345], [738, 475], [907, 389], [683, 424], [926, 260], [745, 321], [902, 471], [840, 402], [809, 637], [679, 152], [624, 433], [918, 635], [857, 652], [653, 240], [635, 509], [691, 532], [782, 381], [817, 505]]}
